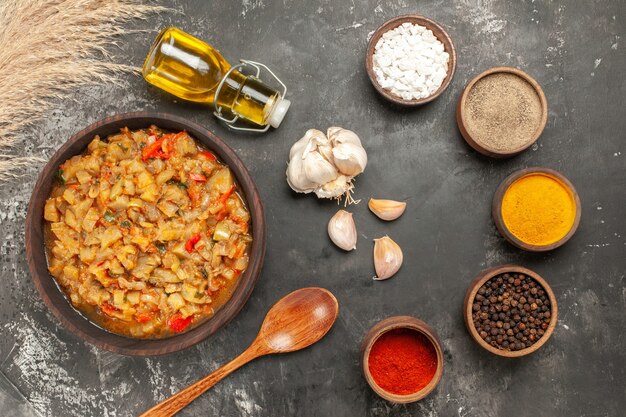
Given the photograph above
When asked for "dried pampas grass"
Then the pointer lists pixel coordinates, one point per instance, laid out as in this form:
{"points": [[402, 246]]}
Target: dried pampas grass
{"points": [[48, 48]]}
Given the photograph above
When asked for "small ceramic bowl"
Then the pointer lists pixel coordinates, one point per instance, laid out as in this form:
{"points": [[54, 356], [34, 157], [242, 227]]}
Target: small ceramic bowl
{"points": [[461, 116], [401, 322], [439, 33], [485, 276], [496, 209]]}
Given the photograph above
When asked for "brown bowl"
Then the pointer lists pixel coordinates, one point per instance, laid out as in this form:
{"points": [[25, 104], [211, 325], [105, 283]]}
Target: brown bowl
{"points": [[496, 209], [485, 276], [461, 117], [439, 33], [54, 297], [401, 322]]}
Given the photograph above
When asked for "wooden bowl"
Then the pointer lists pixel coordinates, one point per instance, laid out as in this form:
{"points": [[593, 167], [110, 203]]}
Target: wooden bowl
{"points": [[54, 297], [496, 209], [461, 116], [439, 33], [485, 276], [401, 322]]}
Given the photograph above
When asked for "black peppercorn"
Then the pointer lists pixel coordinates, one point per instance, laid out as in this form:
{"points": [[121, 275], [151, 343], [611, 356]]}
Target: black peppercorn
{"points": [[511, 311]]}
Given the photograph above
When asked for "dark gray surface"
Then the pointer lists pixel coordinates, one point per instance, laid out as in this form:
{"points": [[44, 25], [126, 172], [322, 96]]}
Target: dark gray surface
{"points": [[575, 49]]}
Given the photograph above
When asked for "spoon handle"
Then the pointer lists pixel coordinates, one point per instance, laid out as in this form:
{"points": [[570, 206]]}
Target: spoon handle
{"points": [[180, 400]]}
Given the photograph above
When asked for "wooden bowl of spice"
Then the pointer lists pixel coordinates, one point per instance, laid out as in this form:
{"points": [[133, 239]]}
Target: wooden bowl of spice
{"points": [[510, 310], [536, 209], [426, 66], [402, 359], [501, 112]]}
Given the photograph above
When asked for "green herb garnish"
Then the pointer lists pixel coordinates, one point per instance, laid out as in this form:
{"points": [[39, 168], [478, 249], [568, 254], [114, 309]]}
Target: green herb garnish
{"points": [[125, 224], [198, 294], [204, 272], [176, 182], [108, 216], [60, 176], [162, 247]]}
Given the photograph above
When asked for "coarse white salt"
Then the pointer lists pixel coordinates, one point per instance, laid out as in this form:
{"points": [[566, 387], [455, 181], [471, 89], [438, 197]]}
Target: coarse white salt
{"points": [[410, 62]]}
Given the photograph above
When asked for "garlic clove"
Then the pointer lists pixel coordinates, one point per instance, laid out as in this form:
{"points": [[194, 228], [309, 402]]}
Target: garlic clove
{"points": [[298, 147], [342, 230], [317, 169], [326, 150], [297, 179], [296, 176], [335, 188], [387, 258], [338, 135], [315, 140], [349, 158], [387, 209]]}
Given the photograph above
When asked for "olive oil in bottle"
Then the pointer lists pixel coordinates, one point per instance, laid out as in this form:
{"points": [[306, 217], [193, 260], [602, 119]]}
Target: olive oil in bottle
{"points": [[193, 70]]}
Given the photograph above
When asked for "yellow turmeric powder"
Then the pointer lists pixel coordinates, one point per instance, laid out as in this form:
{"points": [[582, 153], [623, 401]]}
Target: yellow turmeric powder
{"points": [[538, 209]]}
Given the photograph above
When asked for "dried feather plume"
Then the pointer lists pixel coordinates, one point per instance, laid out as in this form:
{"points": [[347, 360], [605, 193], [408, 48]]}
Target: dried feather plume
{"points": [[47, 50]]}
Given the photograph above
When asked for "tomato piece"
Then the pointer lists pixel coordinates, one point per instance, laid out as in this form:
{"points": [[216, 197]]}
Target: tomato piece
{"points": [[227, 194], [220, 215], [143, 317], [189, 246], [108, 309], [197, 177], [208, 155], [178, 323], [193, 192], [152, 150]]}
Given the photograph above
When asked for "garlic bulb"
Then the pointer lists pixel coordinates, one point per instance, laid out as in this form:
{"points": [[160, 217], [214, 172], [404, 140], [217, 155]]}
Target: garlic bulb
{"points": [[387, 258], [324, 164], [386, 209], [342, 230]]}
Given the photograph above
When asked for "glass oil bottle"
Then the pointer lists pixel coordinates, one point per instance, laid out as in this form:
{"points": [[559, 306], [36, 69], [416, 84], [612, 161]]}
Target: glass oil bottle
{"points": [[193, 70]]}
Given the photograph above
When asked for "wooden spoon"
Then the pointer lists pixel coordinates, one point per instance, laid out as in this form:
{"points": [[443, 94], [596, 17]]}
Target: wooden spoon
{"points": [[296, 321]]}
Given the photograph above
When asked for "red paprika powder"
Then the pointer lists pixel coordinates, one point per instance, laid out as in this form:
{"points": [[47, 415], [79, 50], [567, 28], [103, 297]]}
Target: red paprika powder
{"points": [[402, 361]]}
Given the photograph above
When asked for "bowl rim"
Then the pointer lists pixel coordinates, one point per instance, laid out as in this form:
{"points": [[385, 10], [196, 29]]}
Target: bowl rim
{"points": [[496, 209], [401, 322], [55, 298], [485, 276], [461, 114], [441, 35]]}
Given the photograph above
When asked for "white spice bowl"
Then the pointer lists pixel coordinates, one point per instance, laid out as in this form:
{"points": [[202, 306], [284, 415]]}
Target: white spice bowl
{"points": [[439, 33]]}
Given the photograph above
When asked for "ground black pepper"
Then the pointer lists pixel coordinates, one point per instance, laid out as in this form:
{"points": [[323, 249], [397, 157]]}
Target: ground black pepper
{"points": [[511, 311], [503, 112]]}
